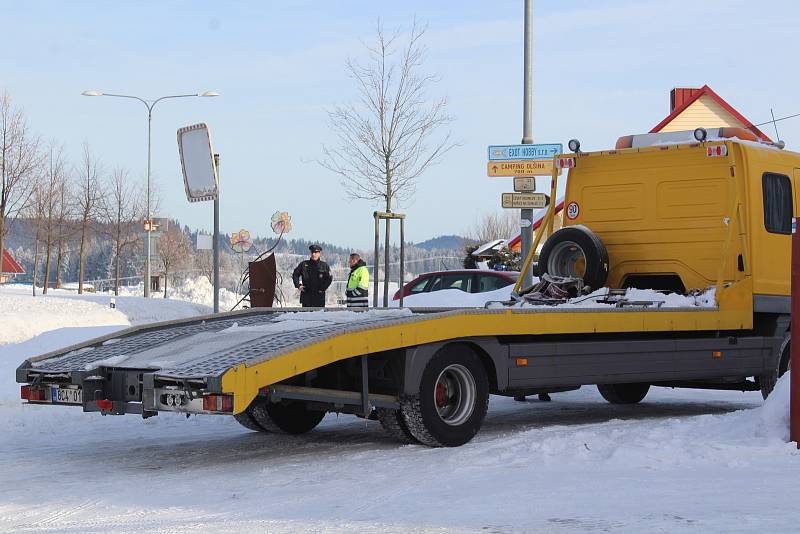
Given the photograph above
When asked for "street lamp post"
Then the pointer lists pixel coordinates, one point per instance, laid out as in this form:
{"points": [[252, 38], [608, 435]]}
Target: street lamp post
{"points": [[149, 104]]}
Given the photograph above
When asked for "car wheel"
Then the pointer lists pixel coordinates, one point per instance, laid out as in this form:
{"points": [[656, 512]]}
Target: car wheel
{"points": [[575, 251], [768, 381], [623, 393], [452, 399], [286, 417]]}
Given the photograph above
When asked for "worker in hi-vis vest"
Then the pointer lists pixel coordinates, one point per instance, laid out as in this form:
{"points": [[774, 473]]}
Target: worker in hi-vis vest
{"points": [[357, 291]]}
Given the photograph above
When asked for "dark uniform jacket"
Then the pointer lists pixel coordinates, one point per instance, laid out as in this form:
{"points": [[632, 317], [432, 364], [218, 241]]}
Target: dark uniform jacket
{"points": [[315, 276]]}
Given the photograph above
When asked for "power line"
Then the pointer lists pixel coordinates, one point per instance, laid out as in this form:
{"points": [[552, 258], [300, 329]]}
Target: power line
{"points": [[778, 120]]}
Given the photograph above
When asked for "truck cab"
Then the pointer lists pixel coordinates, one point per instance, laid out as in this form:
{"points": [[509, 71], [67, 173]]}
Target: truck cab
{"points": [[683, 216]]}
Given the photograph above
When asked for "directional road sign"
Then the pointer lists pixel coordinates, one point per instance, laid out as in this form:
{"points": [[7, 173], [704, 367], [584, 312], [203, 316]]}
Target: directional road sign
{"points": [[520, 168], [524, 183], [524, 200], [524, 152]]}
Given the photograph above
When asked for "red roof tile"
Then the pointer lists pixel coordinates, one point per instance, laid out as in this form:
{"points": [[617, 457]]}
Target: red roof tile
{"points": [[10, 265]]}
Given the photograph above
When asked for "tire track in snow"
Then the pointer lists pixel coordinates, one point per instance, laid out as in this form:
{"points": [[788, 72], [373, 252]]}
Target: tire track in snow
{"points": [[60, 515]]}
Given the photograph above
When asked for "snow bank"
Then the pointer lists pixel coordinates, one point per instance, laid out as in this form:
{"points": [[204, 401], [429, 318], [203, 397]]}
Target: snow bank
{"points": [[23, 316], [771, 420], [196, 290]]}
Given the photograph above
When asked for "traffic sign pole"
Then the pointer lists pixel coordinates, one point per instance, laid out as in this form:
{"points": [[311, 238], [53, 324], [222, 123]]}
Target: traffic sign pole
{"points": [[526, 229], [216, 240]]}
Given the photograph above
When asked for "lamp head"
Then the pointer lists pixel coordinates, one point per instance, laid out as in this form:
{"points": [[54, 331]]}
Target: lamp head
{"points": [[92, 93], [209, 93], [700, 134]]}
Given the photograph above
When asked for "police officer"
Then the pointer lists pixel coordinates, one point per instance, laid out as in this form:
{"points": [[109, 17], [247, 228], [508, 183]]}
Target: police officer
{"points": [[357, 291], [312, 277]]}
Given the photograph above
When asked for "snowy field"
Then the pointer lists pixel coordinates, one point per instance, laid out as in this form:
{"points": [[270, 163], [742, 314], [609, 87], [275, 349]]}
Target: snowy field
{"points": [[682, 461]]}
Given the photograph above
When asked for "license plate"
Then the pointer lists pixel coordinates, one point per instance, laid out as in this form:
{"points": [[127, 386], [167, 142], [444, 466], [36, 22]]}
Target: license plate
{"points": [[67, 396]]}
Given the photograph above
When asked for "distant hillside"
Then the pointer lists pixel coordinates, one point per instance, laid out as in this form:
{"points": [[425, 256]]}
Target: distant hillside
{"points": [[454, 242]]}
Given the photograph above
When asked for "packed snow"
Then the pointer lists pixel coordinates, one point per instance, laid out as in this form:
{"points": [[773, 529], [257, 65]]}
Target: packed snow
{"points": [[455, 298], [682, 460]]}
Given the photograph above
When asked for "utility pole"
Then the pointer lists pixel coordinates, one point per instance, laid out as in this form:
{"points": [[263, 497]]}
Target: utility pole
{"points": [[526, 230], [215, 248]]}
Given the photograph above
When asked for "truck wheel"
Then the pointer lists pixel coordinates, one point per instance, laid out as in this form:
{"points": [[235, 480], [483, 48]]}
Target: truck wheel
{"points": [[452, 400], [575, 251], [247, 421], [290, 417], [392, 422], [623, 393], [768, 381]]}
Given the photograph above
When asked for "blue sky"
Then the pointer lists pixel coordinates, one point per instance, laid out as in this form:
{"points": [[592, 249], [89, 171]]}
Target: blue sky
{"points": [[602, 69]]}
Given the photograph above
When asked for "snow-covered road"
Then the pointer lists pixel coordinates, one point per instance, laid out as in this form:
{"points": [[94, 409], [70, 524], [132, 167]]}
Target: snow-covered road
{"points": [[682, 461]]}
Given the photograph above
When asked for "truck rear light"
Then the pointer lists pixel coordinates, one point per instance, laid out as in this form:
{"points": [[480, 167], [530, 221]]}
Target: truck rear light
{"points": [[718, 150], [218, 403], [32, 394], [565, 163]]}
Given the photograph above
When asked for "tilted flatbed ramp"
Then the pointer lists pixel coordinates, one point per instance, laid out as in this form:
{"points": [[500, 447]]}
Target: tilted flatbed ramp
{"points": [[242, 352]]}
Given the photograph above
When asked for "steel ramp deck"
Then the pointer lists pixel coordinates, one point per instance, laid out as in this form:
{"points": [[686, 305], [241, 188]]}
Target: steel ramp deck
{"points": [[202, 348]]}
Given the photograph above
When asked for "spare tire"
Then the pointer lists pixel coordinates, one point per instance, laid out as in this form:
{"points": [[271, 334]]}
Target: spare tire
{"points": [[575, 251]]}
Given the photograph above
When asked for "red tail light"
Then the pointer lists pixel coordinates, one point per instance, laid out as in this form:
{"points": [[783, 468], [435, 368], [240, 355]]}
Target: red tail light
{"points": [[32, 394], [218, 403], [105, 405]]}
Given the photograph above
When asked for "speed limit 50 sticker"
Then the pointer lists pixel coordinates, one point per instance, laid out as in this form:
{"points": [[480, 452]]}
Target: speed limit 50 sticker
{"points": [[573, 210]]}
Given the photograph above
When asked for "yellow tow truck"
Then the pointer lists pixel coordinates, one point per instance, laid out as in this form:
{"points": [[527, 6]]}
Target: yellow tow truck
{"points": [[706, 214]]}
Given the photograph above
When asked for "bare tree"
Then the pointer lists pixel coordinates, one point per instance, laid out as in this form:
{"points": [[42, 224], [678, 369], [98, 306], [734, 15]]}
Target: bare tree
{"points": [[89, 196], [174, 250], [19, 158], [121, 213], [490, 226], [64, 225], [388, 138], [36, 211], [203, 261], [52, 190]]}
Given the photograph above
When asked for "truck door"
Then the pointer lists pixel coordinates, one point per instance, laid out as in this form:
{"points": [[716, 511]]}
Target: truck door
{"points": [[772, 240], [796, 192]]}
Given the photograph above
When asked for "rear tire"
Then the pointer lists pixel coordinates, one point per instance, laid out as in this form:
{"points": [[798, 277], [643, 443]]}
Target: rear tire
{"points": [[623, 393], [768, 381], [247, 421], [288, 417], [452, 399], [575, 251], [392, 422]]}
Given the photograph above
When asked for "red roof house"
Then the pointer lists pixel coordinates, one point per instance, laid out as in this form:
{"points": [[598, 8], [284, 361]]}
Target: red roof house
{"points": [[10, 266], [692, 108]]}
